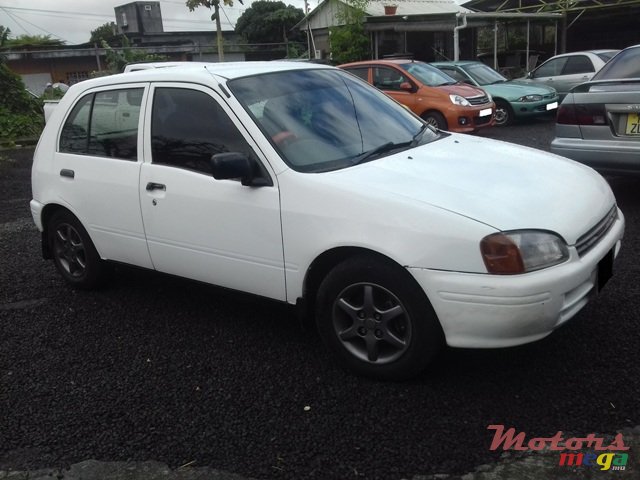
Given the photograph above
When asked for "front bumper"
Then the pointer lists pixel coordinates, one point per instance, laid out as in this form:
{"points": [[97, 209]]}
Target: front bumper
{"points": [[531, 109], [489, 311]]}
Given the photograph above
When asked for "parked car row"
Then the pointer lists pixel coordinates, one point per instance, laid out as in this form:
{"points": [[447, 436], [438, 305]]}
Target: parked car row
{"points": [[598, 123], [456, 96]]}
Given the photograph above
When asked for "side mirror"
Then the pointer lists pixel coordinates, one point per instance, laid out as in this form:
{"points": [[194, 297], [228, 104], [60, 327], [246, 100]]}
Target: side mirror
{"points": [[237, 166], [406, 86]]}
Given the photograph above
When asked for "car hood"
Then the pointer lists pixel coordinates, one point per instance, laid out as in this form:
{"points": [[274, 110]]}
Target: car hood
{"points": [[462, 89], [514, 89], [502, 185]]}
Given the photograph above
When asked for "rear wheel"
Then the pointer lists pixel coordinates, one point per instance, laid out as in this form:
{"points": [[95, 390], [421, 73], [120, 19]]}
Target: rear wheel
{"points": [[435, 119], [73, 252], [504, 113], [376, 320]]}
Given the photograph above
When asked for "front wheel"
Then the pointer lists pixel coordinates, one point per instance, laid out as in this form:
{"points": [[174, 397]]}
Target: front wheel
{"points": [[73, 252], [504, 114], [376, 320], [435, 119]]}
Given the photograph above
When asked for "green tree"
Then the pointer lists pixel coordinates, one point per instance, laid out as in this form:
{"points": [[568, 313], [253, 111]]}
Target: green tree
{"points": [[349, 41], [4, 36], [117, 58], [269, 22], [30, 41], [20, 113], [215, 4], [106, 32]]}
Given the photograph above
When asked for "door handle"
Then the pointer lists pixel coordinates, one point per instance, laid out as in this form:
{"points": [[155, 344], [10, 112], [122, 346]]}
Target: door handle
{"points": [[65, 172], [156, 186]]}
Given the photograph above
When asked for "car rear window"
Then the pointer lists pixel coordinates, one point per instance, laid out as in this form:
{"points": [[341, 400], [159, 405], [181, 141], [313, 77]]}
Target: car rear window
{"points": [[624, 65]]}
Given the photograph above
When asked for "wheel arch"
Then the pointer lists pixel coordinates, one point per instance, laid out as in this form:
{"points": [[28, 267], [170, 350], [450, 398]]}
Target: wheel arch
{"points": [[47, 214], [437, 112], [325, 262]]}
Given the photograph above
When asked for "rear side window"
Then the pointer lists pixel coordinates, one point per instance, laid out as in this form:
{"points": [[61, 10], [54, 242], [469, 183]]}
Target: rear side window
{"points": [[188, 127], [104, 124], [578, 64], [362, 72]]}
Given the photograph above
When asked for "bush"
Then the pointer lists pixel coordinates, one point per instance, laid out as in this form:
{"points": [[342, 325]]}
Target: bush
{"points": [[20, 113]]}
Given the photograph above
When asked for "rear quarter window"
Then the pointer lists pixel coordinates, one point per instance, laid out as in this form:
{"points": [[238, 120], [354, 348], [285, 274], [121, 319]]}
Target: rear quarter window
{"points": [[104, 124]]}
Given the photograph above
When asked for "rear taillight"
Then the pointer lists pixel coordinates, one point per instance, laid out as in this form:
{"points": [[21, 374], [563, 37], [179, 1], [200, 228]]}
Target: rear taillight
{"points": [[590, 114]]}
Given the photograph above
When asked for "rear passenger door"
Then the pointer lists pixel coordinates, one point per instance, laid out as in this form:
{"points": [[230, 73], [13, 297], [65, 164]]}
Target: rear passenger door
{"points": [[97, 165], [215, 231]]}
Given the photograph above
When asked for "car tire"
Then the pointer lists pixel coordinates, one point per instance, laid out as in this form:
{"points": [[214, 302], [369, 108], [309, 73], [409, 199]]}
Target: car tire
{"points": [[376, 320], [435, 119], [504, 114], [74, 254]]}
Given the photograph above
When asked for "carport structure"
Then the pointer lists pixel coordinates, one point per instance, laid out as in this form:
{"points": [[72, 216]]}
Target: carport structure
{"points": [[585, 24]]}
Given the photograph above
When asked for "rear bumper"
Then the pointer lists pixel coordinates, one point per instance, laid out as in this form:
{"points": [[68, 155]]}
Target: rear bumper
{"points": [[610, 156]]}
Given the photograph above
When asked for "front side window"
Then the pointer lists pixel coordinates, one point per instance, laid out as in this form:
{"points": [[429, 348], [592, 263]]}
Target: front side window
{"points": [[188, 127], [325, 119], [104, 124], [551, 68], [388, 78]]}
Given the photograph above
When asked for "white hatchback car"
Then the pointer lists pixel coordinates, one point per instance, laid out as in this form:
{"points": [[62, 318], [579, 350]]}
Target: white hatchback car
{"points": [[302, 183]]}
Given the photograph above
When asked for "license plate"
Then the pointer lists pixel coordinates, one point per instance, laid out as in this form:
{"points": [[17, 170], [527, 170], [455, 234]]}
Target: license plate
{"points": [[633, 124], [551, 106], [605, 270], [485, 112]]}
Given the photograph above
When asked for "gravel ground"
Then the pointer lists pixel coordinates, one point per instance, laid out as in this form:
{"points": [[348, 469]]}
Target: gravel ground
{"points": [[163, 369]]}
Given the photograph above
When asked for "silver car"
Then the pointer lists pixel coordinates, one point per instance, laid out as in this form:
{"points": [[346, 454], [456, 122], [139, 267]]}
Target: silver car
{"points": [[599, 122], [563, 72]]}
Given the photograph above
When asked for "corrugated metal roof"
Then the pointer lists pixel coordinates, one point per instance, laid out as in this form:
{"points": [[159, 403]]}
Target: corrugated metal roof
{"points": [[415, 7]]}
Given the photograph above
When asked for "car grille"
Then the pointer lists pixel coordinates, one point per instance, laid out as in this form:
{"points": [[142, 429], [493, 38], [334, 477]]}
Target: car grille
{"points": [[482, 120], [595, 234], [478, 100], [549, 96]]}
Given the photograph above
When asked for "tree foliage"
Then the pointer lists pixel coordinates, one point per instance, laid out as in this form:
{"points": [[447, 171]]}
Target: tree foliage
{"points": [[349, 41], [215, 4], [20, 113], [269, 22], [117, 58], [106, 33], [30, 41]]}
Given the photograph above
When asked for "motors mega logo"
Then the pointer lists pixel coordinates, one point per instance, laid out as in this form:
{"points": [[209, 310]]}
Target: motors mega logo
{"points": [[613, 459]]}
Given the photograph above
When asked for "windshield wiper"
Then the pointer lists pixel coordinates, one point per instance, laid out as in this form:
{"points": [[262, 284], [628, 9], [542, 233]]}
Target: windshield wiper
{"points": [[418, 136], [385, 147]]}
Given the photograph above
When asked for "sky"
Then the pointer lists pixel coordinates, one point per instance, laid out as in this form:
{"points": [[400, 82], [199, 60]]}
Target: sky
{"points": [[73, 20]]}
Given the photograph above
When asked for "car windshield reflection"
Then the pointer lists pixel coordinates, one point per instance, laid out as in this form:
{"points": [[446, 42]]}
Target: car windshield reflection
{"points": [[321, 120]]}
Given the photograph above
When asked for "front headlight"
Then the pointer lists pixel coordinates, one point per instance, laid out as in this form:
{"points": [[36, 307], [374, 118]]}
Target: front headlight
{"points": [[530, 98], [522, 251], [458, 100]]}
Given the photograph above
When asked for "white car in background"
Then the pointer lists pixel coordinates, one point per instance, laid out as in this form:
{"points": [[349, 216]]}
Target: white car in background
{"points": [[565, 71], [302, 183]]}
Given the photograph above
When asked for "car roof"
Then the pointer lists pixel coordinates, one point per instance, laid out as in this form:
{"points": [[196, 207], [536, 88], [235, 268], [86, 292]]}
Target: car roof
{"points": [[459, 63], [390, 61], [198, 71]]}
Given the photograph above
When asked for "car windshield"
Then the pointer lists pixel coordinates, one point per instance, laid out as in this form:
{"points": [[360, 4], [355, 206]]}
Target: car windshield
{"points": [[483, 74], [326, 119], [624, 65], [430, 76]]}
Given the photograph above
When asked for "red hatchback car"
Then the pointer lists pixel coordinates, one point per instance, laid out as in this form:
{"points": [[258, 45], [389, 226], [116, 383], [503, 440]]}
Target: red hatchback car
{"points": [[433, 95]]}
